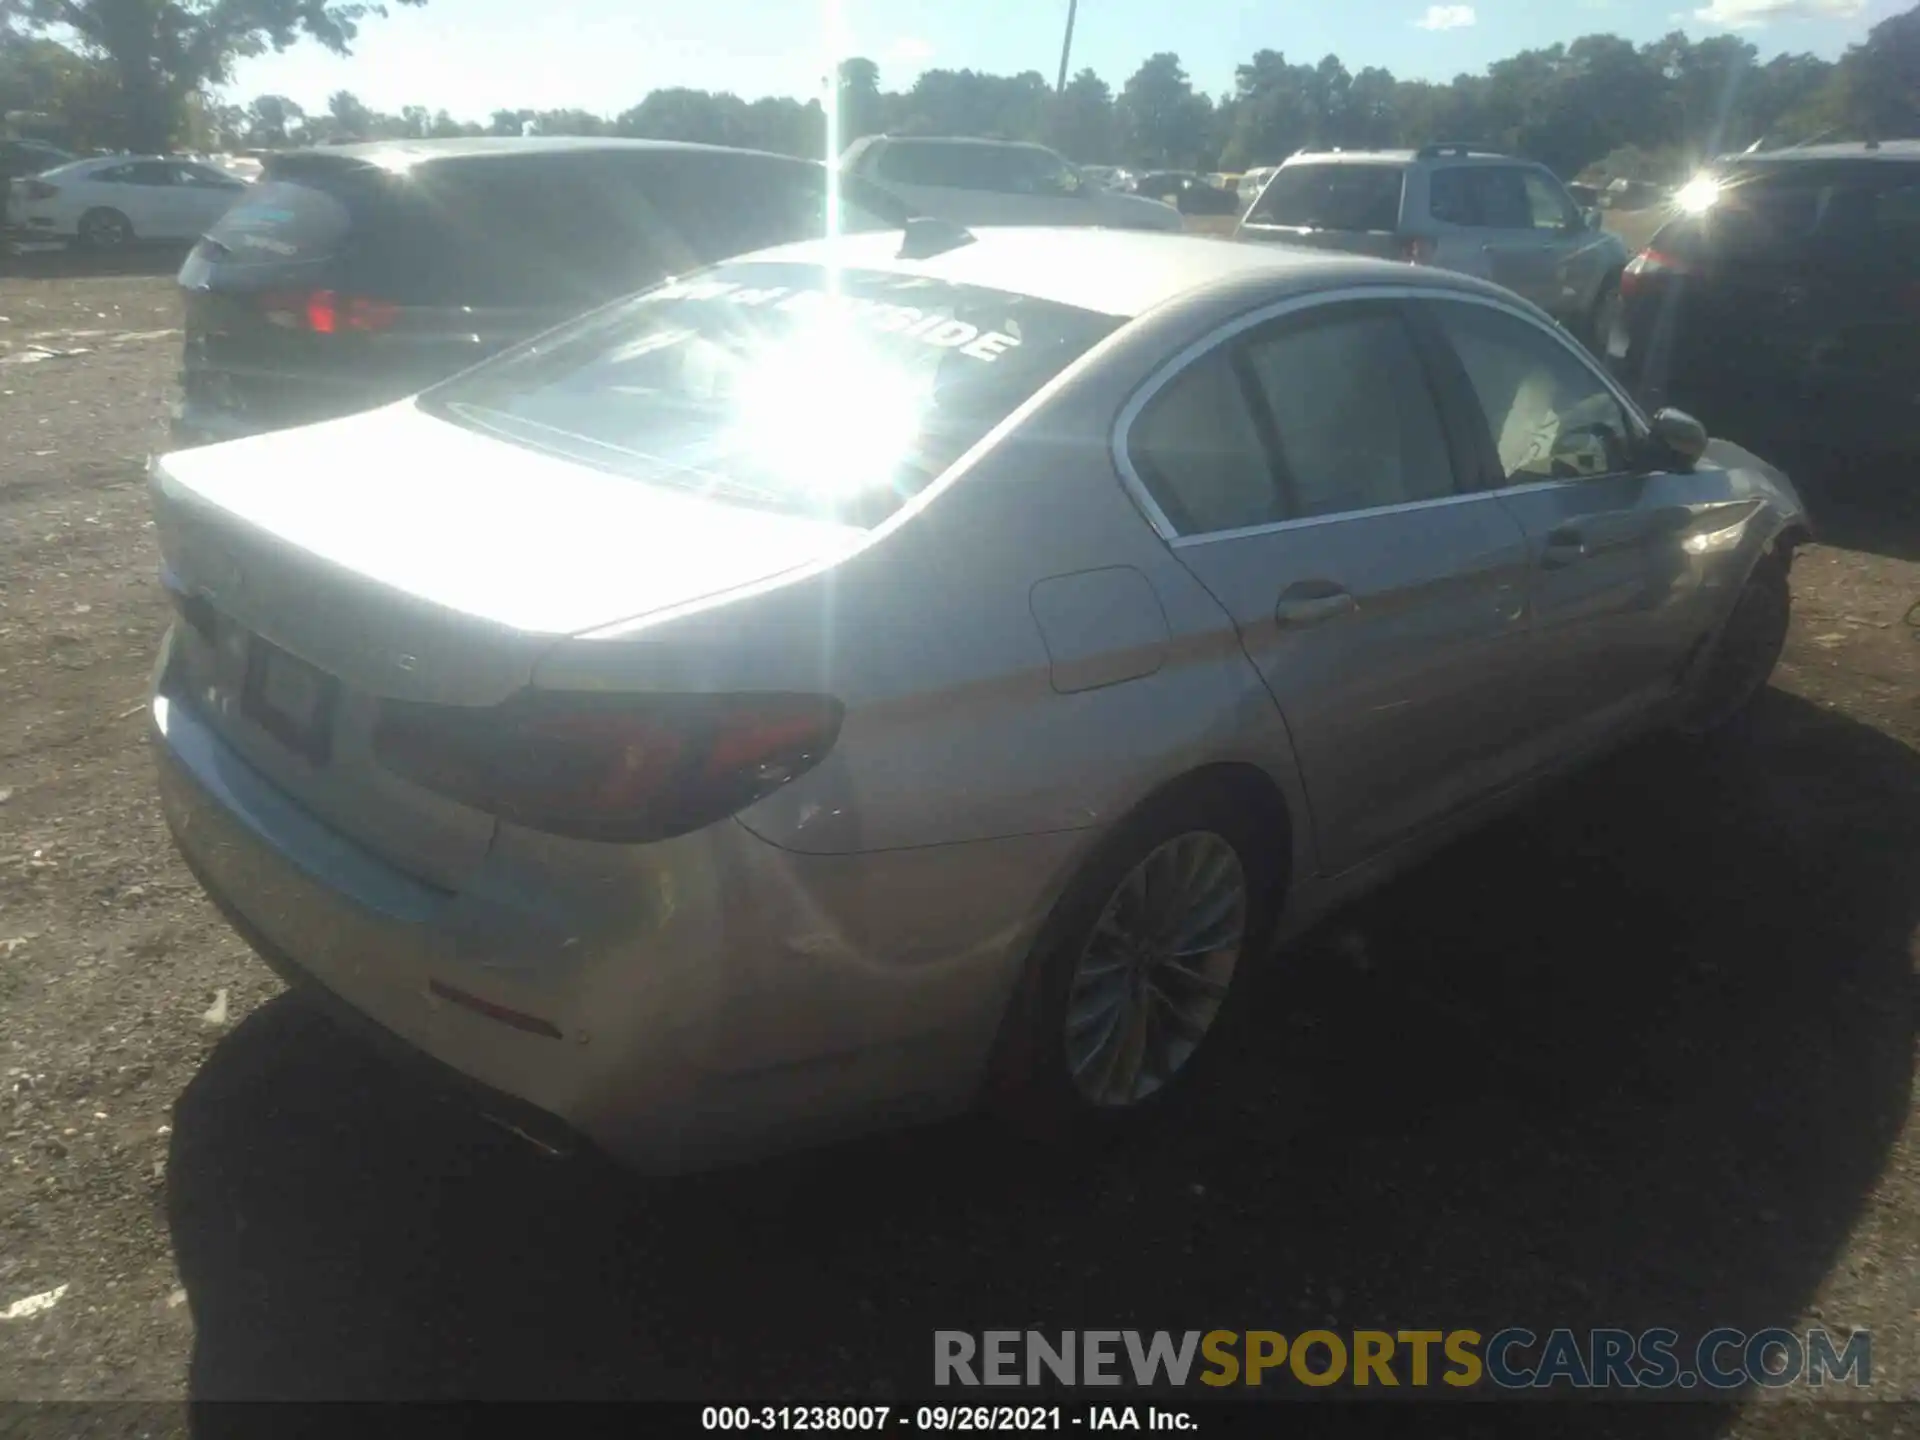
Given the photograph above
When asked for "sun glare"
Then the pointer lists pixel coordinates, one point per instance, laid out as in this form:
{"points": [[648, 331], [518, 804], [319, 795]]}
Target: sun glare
{"points": [[826, 410], [1698, 195]]}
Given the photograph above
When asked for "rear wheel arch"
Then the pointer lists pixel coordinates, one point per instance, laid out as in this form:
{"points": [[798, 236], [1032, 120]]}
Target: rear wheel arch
{"points": [[1240, 790]]}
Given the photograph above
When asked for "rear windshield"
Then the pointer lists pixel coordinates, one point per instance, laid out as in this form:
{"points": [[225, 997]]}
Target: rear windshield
{"points": [[1332, 197], [781, 386], [282, 222]]}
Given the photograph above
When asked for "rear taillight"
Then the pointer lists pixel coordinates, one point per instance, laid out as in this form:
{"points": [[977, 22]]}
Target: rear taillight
{"points": [[38, 190], [616, 768], [1418, 250], [326, 312], [1648, 266]]}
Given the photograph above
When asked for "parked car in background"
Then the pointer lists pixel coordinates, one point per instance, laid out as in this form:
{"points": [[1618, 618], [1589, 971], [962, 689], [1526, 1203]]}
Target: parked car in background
{"points": [[357, 274], [1251, 183], [1587, 197], [1187, 192], [29, 157], [1783, 300], [244, 166], [602, 725], [116, 200], [19, 158], [1458, 208], [1107, 177], [996, 182]]}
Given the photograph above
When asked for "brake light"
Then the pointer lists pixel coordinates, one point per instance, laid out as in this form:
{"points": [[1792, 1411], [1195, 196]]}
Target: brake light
{"points": [[624, 769], [1418, 250], [1650, 265], [38, 190], [326, 312]]}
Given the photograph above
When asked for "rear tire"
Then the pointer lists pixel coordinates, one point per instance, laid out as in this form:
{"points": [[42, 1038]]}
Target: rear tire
{"points": [[1732, 675], [1139, 966], [105, 229]]}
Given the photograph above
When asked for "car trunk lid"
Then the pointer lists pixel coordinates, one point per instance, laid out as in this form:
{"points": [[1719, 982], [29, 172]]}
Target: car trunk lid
{"points": [[396, 557]]}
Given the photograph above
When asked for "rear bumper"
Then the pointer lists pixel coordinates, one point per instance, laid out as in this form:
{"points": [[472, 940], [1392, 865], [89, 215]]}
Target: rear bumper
{"points": [[715, 998], [33, 230]]}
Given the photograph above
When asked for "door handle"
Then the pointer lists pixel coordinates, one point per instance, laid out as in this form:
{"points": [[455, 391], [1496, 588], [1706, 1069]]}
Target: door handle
{"points": [[1563, 548], [1298, 611]]}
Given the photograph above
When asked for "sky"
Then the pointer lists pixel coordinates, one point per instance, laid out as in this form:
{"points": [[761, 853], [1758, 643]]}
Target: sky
{"points": [[472, 57]]}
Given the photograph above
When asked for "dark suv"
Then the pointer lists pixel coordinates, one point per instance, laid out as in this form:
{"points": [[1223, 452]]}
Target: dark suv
{"points": [[357, 274], [1782, 304]]}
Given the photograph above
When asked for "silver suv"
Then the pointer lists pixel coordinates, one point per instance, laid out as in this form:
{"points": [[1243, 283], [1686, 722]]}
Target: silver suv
{"points": [[997, 182], [1459, 208]]}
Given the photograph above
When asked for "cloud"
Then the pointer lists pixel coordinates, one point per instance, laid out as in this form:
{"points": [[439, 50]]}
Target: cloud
{"points": [[1747, 14], [1454, 17]]}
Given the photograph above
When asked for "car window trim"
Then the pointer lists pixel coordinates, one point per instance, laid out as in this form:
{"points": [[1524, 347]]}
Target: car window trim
{"points": [[1229, 331]]}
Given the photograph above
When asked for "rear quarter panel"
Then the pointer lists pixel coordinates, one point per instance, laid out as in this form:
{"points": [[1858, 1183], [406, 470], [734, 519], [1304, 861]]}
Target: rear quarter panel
{"points": [[959, 724]]}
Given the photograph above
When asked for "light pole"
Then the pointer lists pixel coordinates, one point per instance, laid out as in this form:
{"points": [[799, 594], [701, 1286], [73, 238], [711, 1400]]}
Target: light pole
{"points": [[1066, 46]]}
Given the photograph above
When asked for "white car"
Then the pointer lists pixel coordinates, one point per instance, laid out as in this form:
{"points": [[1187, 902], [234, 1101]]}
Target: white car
{"points": [[997, 182], [114, 200]]}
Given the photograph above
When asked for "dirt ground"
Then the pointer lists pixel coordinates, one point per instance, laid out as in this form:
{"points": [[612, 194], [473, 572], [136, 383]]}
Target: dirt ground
{"points": [[1641, 1055]]}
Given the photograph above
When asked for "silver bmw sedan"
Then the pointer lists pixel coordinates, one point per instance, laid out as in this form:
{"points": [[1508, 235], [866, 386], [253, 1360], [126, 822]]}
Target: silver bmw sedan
{"points": [[878, 676]]}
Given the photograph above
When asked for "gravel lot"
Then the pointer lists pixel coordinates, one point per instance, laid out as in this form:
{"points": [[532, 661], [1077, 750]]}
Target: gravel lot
{"points": [[1641, 1055]]}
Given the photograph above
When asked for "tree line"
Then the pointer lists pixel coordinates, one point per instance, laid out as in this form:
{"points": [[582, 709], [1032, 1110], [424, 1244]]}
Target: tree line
{"points": [[1645, 110]]}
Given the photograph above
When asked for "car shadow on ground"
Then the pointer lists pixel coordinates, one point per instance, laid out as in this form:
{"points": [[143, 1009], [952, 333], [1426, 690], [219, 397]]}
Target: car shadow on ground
{"points": [[1633, 1057], [73, 263]]}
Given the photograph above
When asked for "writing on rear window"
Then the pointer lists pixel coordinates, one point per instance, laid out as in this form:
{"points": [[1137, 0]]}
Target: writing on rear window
{"points": [[933, 328]]}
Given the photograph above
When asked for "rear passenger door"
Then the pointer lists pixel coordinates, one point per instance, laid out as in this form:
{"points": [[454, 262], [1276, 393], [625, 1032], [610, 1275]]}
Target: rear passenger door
{"points": [[1617, 597], [1306, 474]]}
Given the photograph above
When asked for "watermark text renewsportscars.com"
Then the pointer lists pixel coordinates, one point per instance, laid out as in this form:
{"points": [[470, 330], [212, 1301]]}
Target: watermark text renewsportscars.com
{"points": [[1514, 1358]]}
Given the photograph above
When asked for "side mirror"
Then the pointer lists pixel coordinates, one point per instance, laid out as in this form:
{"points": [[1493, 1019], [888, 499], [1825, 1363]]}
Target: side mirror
{"points": [[1680, 434], [1593, 219]]}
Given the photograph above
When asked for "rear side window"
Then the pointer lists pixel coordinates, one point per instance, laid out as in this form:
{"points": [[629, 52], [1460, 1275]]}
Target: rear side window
{"points": [[946, 166], [1352, 412], [1353, 425], [1332, 197], [1199, 453], [1488, 197]]}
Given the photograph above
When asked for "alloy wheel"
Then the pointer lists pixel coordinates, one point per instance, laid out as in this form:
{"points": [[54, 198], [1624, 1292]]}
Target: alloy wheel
{"points": [[1151, 978]]}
